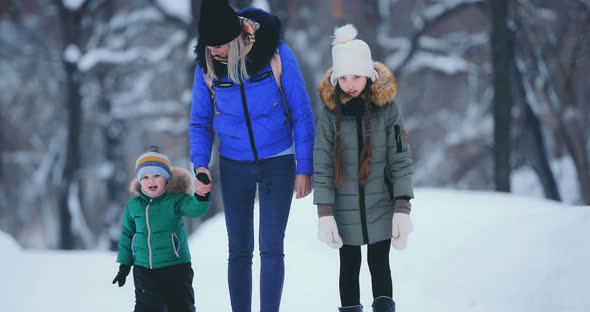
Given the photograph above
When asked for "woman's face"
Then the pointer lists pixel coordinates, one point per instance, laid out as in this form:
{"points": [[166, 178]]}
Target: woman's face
{"points": [[152, 185], [219, 53], [352, 85]]}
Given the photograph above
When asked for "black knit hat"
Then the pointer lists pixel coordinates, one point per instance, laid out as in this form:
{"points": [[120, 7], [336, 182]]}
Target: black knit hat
{"points": [[218, 23]]}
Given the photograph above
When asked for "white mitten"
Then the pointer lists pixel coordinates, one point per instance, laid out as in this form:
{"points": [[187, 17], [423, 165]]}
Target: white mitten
{"points": [[402, 227], [328, 232]]}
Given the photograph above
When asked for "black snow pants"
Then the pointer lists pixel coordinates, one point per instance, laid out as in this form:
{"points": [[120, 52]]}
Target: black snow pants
{"points": [[164, 289]]}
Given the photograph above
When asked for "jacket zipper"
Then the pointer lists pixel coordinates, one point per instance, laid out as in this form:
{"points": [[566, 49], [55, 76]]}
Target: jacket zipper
{"points": [[172, 236], [363, 212], [247, 116], [149, 238], [133, 246]]}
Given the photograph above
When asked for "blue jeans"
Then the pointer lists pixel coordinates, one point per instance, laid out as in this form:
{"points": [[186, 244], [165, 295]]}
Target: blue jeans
{"points": [[275, 178]]}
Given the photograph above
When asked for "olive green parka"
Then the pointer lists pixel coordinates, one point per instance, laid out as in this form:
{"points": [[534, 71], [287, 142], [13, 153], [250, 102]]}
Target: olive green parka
{"points": [[363, 214]]}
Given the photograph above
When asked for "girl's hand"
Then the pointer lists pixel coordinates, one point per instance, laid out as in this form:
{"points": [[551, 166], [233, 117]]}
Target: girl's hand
{"points": [[328, 232], [402, 227]]}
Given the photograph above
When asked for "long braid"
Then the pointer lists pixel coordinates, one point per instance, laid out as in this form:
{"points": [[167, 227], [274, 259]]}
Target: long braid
{"points": [[367, 152], [338, 165]]}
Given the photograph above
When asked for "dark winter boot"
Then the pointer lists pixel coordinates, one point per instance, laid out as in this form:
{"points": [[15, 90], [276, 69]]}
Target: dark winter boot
{"points": [[383, 304], [356, 308]]}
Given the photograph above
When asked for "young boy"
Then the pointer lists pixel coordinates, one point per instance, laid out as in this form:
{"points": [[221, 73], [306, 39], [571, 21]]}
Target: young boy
{"points": [[154, 240]]}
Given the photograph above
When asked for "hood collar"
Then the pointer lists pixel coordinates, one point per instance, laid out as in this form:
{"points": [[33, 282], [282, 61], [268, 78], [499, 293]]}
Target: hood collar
{"points": [[384, 88], [181, 181]]}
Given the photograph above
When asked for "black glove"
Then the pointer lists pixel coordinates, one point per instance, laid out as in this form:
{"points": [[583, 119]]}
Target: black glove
{"points": [[204, 178], [123, 272]]}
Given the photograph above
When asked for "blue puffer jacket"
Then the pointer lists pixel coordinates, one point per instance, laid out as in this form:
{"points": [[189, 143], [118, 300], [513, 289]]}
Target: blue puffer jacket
{"points": [[250, 118]]}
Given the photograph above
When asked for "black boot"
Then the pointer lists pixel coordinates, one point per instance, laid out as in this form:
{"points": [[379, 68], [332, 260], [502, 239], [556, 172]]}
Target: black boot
{"points": [[356, 308], [383, 304]]}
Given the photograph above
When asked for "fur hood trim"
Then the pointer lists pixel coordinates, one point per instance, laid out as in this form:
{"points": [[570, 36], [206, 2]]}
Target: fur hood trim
{"points": [[182, 181], [384, 88], [268, 38]]}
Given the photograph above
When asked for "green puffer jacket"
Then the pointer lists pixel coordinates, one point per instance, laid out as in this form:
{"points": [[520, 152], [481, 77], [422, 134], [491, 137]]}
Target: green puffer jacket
{"points": [[363, 215], [153, 233]]}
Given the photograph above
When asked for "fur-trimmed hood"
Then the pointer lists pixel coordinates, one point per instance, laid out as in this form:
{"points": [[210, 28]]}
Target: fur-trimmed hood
{"points": [[384, 89], [182, 181], [268, 38]]}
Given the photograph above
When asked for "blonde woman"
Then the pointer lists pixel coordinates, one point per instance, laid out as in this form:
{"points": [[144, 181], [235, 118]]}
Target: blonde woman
{"points": [[265, 126]]}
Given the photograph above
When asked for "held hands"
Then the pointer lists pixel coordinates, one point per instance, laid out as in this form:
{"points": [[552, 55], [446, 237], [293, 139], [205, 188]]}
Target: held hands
{"points": [[328, 232], [122, 275], [402, 227], [302, 185], [200, 187]]}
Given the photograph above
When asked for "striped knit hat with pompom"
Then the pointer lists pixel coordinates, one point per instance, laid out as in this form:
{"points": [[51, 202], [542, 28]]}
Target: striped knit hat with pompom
{"points": [[152, 161], [350, 56]]}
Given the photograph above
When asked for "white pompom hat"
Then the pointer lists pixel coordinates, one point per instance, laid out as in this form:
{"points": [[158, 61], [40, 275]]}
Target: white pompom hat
{"points": [[350, 56]]}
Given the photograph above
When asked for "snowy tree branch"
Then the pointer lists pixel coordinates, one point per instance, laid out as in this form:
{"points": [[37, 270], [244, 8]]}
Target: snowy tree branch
{"points": [[430, 17], [172, 18], [106, 56]]}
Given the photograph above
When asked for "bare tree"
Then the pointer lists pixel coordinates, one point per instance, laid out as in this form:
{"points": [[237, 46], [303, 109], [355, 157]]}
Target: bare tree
{"points": [[502, 53], [552, 44], [70, 27]]}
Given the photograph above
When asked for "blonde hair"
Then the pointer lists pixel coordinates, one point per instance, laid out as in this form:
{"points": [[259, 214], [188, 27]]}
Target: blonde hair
{"points": [[236, 59]]}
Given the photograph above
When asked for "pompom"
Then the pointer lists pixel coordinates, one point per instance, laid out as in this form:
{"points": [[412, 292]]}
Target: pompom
{"points": [[344, 34]]}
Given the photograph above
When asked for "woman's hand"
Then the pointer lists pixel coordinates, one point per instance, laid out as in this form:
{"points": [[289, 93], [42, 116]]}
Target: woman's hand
{"points": [[201, 188], [302, 185]]}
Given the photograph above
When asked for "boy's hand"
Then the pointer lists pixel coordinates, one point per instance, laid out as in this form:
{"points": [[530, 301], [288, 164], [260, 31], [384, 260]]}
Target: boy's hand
{"points": [[201, 188], [122, 275], [203, 178]]}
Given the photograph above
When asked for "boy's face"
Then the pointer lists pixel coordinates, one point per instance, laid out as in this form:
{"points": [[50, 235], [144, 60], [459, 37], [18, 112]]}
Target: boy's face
{"points": [[152, 185], [353, 85]]}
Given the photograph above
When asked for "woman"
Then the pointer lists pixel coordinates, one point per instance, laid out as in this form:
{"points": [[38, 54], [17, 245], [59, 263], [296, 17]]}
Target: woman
{"points": [[265, 138]]}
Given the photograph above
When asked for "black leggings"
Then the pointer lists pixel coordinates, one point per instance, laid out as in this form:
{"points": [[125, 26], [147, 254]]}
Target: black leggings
{"points": [[350, 266]]}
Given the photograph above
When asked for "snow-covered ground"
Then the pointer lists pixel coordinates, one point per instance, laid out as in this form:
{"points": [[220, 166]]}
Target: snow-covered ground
{"points": [[470, 252]]}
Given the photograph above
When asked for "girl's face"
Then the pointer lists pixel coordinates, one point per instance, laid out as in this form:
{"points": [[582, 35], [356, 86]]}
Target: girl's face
{"points": [[219, 53], [353, 85], [152, 185]]}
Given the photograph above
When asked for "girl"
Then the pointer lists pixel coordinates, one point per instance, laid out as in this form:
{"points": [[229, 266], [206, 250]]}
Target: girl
{"points": [[153, 239], [362, 169]]}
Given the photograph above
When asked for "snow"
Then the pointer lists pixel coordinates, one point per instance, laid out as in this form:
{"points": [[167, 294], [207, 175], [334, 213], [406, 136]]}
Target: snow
{"points": [[73, 5], [72, 53], [470, 252], [261, 4], [448, 64], [178, 8]]}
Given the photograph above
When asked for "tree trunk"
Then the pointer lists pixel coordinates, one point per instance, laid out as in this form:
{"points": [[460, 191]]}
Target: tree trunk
{"points": [[533, 147], [574, 140], [501, 45], [71, 25]]}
